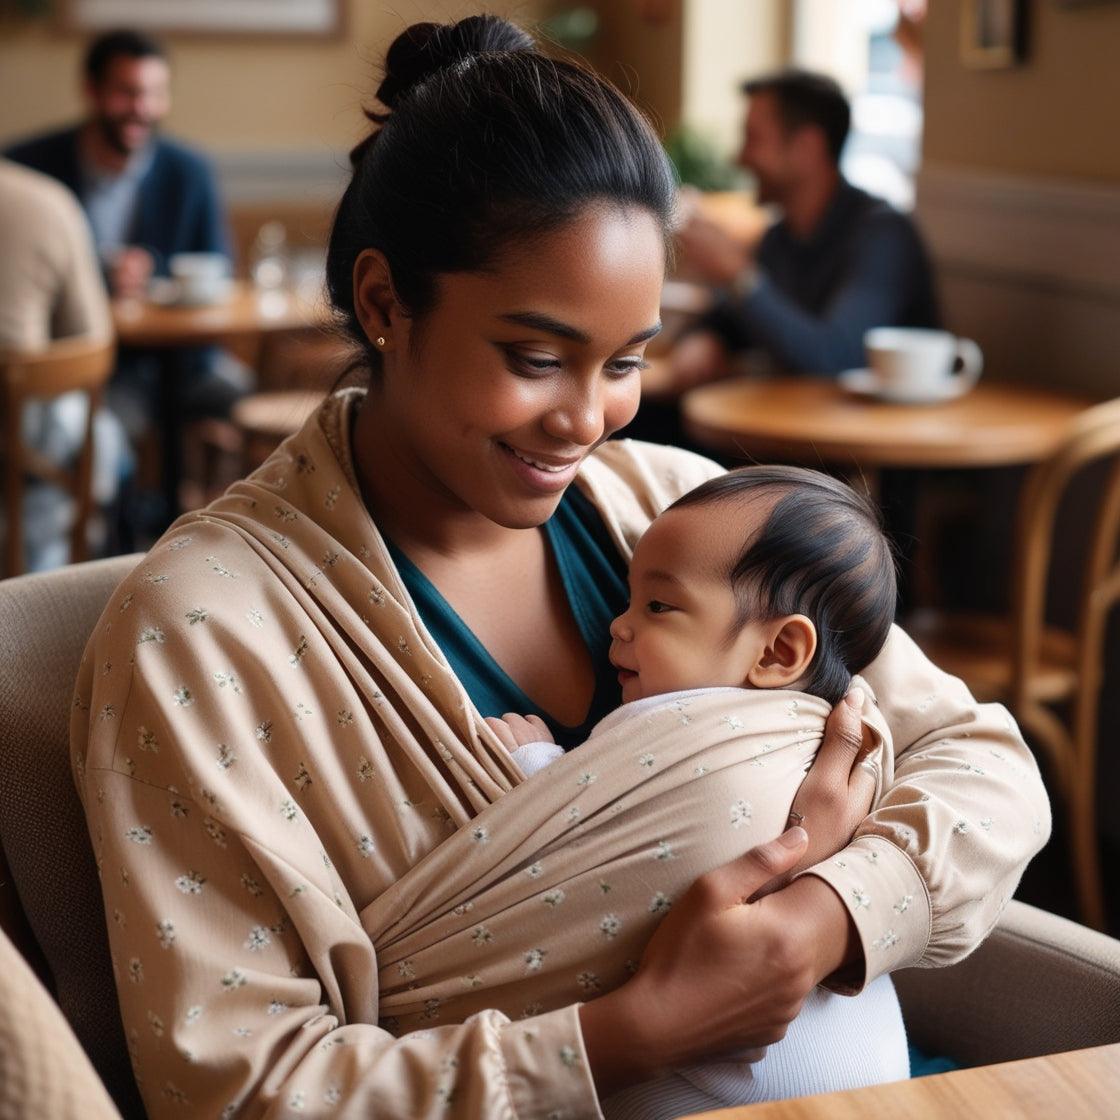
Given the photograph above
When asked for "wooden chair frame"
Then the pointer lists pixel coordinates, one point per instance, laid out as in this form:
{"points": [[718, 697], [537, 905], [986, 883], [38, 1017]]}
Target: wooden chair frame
{"points": [[1072, 750], [81, 364]]}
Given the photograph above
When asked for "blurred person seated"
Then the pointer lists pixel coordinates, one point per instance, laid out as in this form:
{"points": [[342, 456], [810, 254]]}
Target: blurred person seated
{"points": [[837, 262], [146, 198], [50, 288]]}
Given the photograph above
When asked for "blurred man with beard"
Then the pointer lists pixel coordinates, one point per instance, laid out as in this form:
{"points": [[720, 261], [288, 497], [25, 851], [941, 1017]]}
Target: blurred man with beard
{"points": [[837, 262], [146, 198]]}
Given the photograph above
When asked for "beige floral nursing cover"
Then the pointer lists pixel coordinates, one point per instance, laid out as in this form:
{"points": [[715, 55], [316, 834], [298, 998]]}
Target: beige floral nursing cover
{"points": [[310, 843]]}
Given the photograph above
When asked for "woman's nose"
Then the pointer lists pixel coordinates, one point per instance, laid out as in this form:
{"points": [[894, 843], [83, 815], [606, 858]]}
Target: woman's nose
{"points": [[578, 418]]}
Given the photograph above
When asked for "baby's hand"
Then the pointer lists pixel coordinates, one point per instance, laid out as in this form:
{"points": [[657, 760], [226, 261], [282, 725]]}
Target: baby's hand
{"points": [[515, 731]]}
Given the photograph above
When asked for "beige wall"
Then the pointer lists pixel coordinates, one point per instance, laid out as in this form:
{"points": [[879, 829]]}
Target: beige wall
{"points": [[243, 94], [1057, 114]]}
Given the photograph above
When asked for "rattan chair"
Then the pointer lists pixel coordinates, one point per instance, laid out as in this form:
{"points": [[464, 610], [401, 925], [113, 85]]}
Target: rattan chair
{"points": [[70, 364], [1031, 666]]}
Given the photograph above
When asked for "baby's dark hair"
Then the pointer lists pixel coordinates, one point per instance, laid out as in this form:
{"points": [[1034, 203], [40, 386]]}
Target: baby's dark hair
{"points": [[822, 553]]}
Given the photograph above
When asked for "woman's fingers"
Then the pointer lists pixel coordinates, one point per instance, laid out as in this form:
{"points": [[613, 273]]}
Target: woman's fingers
{"points": [[734, 883], [843, 739], [502, 730]]}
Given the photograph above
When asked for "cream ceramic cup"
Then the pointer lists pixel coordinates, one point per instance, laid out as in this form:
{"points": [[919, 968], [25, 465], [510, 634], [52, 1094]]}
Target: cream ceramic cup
{"points": [[914, 363], [201, 278]]}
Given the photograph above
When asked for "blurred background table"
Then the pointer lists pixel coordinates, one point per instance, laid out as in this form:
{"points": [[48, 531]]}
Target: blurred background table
{"points": [[813, 422], [1079, 1085]]}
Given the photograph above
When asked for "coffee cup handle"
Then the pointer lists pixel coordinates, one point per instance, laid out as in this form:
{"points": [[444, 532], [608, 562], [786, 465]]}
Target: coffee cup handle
{"points": [[971, 360]]}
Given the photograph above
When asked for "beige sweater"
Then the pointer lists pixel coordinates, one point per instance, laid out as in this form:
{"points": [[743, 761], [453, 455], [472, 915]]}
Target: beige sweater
{"points": [[284, 782]]}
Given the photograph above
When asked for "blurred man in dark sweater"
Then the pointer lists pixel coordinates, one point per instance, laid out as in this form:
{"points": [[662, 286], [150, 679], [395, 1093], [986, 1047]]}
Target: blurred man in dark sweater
{"points": [[837, 262]]}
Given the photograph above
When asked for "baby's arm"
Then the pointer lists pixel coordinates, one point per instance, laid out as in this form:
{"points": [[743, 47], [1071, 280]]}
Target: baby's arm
{"points": [[528, 740]]}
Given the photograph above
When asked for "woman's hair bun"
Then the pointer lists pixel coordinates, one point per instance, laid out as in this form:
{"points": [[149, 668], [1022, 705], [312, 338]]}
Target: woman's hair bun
{"points": [[425, 48]]}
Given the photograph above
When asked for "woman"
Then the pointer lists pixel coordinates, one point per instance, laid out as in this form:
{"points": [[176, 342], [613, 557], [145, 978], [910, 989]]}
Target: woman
{"points": [[278, 729]]}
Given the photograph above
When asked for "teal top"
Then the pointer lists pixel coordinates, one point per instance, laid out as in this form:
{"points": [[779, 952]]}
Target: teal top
{"points": [[594, 577]]}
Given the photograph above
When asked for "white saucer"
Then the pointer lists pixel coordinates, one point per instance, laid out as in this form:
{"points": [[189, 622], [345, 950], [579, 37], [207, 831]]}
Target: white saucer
{"points": [[863, 383]]}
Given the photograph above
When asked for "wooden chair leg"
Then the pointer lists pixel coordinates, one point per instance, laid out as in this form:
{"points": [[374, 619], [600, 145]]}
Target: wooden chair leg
{"points": [[1084, 849]]}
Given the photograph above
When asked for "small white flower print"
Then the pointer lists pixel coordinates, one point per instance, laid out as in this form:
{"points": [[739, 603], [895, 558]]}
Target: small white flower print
{"points": [[299, 653], [534, 958], [740, 813], [220, 569], [107, 712], [215, 831], [569, 1056], [258, 939], [194, 1013], [345, 717], [151, 634], [733, 722], [174, 1094], [365, 769], [196, 615], [190, 883], [531, 1009], [146, 740], [924, 705], [586, 778], [405, 970], [463, 908], [284, 514], [154, 579], [156, 1023], [297, 1101], [303, 778], [574, 814], [479, 834], [872, 857], [139, 834], [332, 496], [251, 885], [589, 982], [793, 709], [277, 1007], [135, 971], [553, 898], [903, 904], [646, 760], [888, 939], [233, 980], [986, 824], [165, 931], [481, 935], [960, 828], [263, 731], [126, 602], [431, 1009], [226, 757], [365, 846], [241, 1032], [664, 851], [535, 870], [302, 711], [861, 900], [179, 809], [222, 679], [609, 925], [403, 646], [699, 771], [605, 887], [473, 980], [183, 697], [333, 1094], [288, 809], [661, 903], [179, 543], [255, 617]]}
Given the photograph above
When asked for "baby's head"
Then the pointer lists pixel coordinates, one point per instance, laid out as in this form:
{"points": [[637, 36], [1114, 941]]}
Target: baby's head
{"points": [[765, 577]]}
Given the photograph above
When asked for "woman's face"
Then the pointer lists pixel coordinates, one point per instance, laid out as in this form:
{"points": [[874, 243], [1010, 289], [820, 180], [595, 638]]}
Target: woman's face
{"points": [[491, 401]]}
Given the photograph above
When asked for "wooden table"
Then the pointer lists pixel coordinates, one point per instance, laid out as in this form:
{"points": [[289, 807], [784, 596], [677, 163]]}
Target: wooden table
{"points": [[248, 316], [1080, 1085], [812, 421]]}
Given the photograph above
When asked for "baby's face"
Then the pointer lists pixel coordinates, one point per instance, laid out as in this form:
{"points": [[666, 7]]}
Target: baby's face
{"points": [[678, 631]]}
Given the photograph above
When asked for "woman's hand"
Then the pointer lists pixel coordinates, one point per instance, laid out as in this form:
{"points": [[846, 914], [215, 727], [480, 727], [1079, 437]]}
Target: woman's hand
{"points": [[838, 791], [720, 976]]}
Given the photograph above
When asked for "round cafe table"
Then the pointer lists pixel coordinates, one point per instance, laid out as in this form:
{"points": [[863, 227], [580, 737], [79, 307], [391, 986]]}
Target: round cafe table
{"points": [[813, 421], [246, 315]]}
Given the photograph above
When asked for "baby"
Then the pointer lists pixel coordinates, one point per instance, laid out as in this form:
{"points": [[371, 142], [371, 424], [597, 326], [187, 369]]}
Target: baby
{"points": [[762, 578]]}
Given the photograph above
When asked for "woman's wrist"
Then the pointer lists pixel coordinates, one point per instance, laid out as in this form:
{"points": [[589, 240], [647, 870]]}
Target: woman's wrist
{"points": [[819, 925], [619, 1053]]}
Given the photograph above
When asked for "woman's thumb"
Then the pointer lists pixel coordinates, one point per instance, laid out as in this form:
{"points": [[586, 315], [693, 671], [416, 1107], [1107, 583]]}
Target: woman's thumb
{"points": [[736, 882]]}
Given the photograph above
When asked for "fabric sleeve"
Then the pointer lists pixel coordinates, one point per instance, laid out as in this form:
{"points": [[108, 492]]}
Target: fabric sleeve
{"points": [[932, 867], [211, 234], [878, 280], [247, 985]]}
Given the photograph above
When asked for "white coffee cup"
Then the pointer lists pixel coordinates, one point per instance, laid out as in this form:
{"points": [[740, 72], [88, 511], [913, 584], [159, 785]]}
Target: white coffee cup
{"points": [[912, 363], [201, 278]]}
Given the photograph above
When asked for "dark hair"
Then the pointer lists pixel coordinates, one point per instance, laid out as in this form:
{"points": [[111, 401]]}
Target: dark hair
{"points": [[805, 98], [487, 142], [821, 553], [117, 44]]}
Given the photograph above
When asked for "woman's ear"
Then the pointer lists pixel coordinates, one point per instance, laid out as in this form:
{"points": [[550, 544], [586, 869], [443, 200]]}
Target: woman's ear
{"points": [[375, 302], [790, 644]]}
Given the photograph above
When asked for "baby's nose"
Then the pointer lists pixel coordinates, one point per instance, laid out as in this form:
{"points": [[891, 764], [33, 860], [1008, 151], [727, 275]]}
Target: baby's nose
{"points": [[620, 629]]}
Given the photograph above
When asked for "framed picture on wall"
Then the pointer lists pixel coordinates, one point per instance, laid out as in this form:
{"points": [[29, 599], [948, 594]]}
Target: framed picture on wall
{"points": [[992, 33], [211, 17]]}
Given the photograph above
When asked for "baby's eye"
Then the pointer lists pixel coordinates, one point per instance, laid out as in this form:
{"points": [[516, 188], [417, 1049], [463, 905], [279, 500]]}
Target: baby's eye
{"points": [[655, 606]]}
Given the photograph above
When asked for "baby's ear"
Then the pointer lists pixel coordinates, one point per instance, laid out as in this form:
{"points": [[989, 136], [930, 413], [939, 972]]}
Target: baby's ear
{"points": [[791, 642]]}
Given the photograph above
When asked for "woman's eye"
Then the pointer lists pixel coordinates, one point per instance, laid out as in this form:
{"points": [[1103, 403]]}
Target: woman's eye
{"points": [[627, 365], [532, 365]]}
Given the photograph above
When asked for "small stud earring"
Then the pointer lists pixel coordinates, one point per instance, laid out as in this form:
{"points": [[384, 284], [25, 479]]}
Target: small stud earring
{"points": [[380, 340]]}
